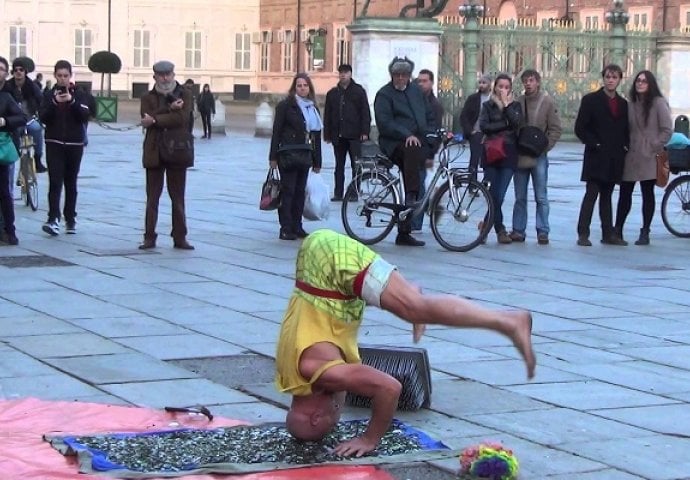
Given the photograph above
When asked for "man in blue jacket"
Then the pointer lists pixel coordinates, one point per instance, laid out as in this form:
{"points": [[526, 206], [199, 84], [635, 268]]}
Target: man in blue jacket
{"points": [[404, 117]]}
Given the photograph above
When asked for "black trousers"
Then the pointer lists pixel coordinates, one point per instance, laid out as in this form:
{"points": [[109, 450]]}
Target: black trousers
{"points": [[63, 162], [410, 160], [206, 122], [625, 203], [293, 183], [602, 190], [176, 181], [6, 200], [341, 150]]}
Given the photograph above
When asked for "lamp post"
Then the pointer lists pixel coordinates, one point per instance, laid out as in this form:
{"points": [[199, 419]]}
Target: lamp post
{"points": [[618, 18], [471, 13], [110, 10]]}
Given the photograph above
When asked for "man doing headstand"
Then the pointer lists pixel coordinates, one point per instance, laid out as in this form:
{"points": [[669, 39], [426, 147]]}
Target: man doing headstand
{"points": [[317, 357]]}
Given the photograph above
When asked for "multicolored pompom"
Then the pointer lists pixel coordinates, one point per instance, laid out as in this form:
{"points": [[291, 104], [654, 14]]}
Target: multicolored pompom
{"points": [[489, 460]]}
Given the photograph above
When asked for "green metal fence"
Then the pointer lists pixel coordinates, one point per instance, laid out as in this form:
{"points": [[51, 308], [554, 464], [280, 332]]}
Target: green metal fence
{"points": [[568, 57]]}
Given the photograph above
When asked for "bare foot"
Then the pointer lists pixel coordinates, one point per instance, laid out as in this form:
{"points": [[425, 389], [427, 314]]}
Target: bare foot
{"points": [[521, 335]]}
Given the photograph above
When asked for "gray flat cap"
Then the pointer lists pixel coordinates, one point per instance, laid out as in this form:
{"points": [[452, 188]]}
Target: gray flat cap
{"points": [[163, 66], [401, 65]]}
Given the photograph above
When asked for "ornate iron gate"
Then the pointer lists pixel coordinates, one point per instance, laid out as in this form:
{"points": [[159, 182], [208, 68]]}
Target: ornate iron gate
{"points": [[568, 57]]}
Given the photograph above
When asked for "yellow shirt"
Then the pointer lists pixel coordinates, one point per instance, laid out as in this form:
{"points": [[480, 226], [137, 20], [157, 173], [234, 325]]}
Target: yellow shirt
{"points": [[329, 261]]}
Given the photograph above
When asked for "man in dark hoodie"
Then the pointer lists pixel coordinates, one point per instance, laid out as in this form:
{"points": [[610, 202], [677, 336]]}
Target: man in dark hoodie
{"points": [[29, 96], [347, 123]]}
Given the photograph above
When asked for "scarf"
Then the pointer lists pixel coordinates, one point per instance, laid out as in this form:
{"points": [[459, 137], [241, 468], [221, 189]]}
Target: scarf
{"points": [[312, 119]]}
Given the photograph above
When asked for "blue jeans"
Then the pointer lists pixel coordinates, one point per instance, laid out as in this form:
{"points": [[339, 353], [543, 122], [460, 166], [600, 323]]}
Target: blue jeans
{"points": [[35, 129], [540, 178], [500, 180]]}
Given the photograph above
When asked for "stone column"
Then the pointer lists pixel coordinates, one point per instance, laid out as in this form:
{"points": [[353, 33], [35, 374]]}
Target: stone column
{"points": [[375, 41], [673, 67]]}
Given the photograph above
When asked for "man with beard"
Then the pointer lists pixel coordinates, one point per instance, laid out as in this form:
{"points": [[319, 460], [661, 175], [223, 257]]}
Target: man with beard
{"points": [[469, 121], [404, 117], [165, 109]]}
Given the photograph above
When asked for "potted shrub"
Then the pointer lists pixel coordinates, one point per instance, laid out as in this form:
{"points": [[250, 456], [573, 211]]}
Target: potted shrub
{"points": [[105, 62]]}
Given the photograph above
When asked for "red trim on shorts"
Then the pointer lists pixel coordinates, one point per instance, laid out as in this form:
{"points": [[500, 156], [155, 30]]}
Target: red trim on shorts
{"points": [[320, 292]]}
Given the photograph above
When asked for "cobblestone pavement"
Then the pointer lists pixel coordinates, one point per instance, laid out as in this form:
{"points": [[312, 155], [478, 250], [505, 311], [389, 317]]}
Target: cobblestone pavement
{"points": [[92, 318]]}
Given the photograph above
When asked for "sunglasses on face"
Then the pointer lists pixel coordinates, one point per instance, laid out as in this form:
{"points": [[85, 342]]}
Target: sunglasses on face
{"points": [[641, 80], [18, 69]]}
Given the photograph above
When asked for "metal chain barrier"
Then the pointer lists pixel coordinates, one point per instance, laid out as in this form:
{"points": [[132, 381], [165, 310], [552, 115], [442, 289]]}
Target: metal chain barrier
{"points": [[126, 128]]}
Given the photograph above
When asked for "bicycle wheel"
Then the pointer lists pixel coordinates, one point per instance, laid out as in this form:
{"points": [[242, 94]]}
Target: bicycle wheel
{"points": [[363, 217], [32, 194], [675, 207], [461, 217]]}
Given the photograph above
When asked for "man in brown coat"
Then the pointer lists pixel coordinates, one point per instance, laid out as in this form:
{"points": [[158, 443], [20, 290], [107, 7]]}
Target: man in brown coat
{"points": [[166, 108]]}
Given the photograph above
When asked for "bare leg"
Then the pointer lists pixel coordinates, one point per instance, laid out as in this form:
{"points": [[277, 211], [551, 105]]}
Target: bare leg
{"points": [[407, 302]]}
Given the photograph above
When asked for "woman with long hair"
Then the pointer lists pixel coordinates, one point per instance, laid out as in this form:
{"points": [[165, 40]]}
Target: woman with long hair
{"points": [[501, 116], [295, 148], [207, 107], [651, 127]]}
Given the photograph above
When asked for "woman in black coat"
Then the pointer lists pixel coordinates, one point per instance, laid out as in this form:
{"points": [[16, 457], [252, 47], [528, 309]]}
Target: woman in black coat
{"points": [[11, 118], [207, 107], [501, 116], [295, 147]]}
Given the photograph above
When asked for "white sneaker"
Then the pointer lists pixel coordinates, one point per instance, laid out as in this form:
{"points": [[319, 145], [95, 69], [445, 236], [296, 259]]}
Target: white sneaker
{"points": [[52, 228], [71, 228]]}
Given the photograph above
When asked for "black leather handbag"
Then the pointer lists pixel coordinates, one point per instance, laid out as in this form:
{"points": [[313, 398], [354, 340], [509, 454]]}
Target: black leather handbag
{"points": [[295, 157]]}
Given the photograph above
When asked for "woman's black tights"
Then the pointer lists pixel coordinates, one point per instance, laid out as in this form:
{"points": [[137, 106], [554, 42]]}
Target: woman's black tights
{"points": [[625, 203]]}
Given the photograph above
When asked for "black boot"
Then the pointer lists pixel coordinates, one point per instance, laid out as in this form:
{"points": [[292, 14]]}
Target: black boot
{"points": [[40, 168], [405, 226], [610, 237], [644, 237]]}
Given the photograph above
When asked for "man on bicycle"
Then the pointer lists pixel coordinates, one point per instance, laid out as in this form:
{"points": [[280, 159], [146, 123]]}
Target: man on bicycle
{"points": [[27, 94], [404, 117]]}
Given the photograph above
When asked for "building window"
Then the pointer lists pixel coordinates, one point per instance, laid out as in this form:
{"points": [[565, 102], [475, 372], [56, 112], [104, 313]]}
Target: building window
{"points": [[242, 51], [265, 63], [192, 50], [640, 18], [592, 23], [142, 48], [342, 47], [286, 50], [82, 46], [17, 41]]}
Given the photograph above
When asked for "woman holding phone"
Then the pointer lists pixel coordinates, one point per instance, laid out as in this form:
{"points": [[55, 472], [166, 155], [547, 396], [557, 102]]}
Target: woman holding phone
{"points": [[64, 111]]}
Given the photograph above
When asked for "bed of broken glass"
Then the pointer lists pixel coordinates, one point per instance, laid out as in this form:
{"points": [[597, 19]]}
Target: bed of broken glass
{"points": [[186, 450]]}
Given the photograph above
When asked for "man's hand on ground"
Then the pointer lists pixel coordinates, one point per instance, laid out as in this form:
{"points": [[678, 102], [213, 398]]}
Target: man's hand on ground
{"points": [[355, 447]]}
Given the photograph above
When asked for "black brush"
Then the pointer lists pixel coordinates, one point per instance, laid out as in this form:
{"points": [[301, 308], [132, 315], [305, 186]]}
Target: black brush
{"points": [[408, 365]]}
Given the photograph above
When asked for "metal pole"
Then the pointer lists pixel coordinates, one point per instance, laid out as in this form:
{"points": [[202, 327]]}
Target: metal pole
{"points": [[109, 21], [298, 35], [470, 44]]}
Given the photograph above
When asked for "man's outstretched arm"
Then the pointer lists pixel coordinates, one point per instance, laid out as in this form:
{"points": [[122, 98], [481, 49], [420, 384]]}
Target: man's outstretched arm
{"points": [[384, 391]]}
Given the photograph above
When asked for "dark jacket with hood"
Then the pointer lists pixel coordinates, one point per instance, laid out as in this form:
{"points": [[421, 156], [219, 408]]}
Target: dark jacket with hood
{"points": [[65, 121]]}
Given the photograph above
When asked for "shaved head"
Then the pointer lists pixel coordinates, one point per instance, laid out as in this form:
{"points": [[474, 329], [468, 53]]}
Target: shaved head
{"points": [[312, 417]]}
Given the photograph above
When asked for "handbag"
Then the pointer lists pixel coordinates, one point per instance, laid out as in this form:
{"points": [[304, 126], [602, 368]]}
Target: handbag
{"points": [[295, 157], [8, 152], [495, 149], [662, 169], [270, 191], [532, 140], [176, 148]]}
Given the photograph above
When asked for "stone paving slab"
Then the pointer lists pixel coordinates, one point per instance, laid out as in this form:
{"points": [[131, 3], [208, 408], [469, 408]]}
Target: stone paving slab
{"points": [[665, 419], [654, 457], [588, 395], [607, 474], [36, 324], [119, 368], [638, 375], [504, 372], [66, 345], [181, 392], [136, 326], [555, 426], [462, 398], [190, 345], [674, 356], [48, 387], [16, 364]]}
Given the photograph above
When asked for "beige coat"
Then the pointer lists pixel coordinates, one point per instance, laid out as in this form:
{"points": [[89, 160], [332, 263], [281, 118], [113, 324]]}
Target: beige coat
{"points": [[646, 140]]}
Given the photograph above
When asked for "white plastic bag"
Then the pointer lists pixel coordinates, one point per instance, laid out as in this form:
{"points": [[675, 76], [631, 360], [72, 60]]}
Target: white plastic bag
{"points": [[316, 202]]}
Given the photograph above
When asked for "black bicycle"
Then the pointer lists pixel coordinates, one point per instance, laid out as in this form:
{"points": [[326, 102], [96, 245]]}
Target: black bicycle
{"points": [[26, 177], [460, 208]]}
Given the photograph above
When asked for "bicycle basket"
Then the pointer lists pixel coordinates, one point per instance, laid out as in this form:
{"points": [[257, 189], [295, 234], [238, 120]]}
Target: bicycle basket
{"points": [[679, 160], [370, 149]]}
